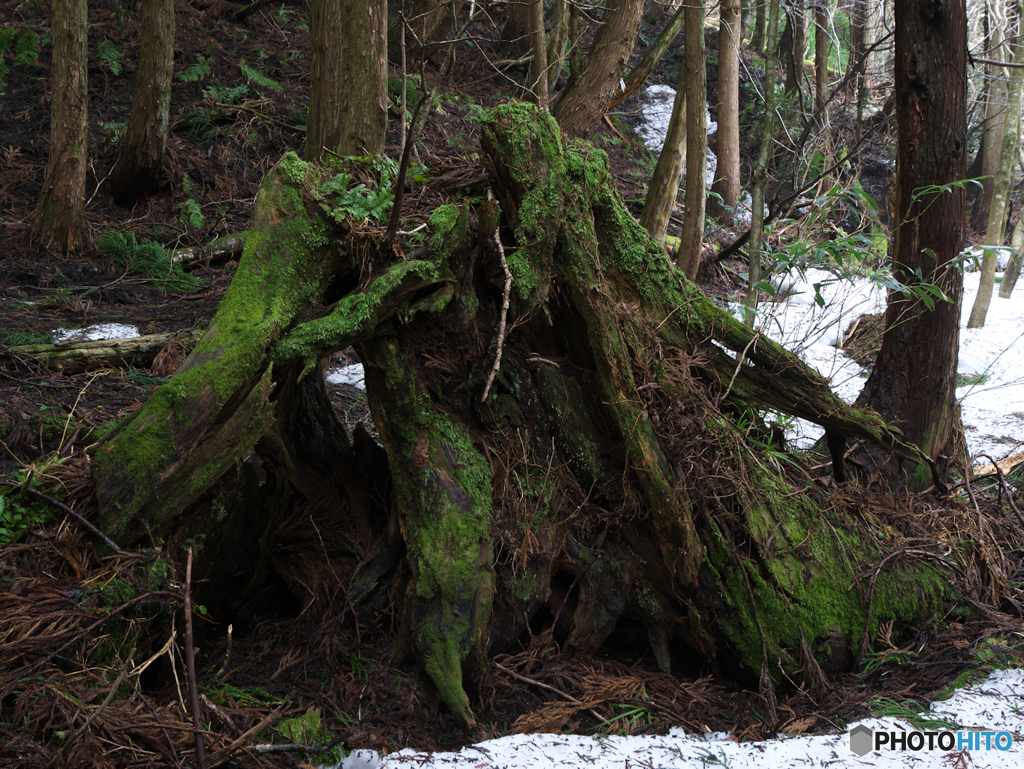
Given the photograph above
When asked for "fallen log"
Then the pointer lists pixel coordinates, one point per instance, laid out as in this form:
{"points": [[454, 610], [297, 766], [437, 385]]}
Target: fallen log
{"points": [[77, 357]]}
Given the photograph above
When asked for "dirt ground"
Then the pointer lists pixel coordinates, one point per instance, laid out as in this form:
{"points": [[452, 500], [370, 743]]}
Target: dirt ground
{"points": [[72, 613]]}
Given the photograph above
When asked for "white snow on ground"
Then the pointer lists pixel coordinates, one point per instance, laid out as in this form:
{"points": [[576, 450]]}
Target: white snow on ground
{"points": [[657, 111], [992, 411], [95, 333], [352, 375], [995, 705]]}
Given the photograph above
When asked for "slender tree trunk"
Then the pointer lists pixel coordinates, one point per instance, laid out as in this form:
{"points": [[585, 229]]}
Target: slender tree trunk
{"points": [[539, 62], [422, 19], [859, 15], [585, 101], [515, 35], [995, 234], [757, 37], [759, 177], [140, 161], [60, 215], [558, 42], [348, 107], [651, 57], [995, 110], [821, 46], [913, 383], [692, 240], [1013, 266], [664, 189], [795, 44], [727, 148]]}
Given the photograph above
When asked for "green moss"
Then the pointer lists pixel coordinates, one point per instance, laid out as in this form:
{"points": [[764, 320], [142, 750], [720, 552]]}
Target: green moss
{"points": [[117, 592], [293, 168], [356, 314], [810, 563], [158, 577]]}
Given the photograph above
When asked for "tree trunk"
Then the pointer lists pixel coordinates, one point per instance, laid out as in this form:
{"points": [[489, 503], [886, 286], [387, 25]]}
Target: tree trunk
{"points": [[821, 41], [668, 171], [1013, 266], [348, 106], [60, 215], [539, 62], [794, 46], [860, 13], [995, 234], [140, 160], [692, 240], [759, 175], [584, 102], [727, 148], [757, 37], [422, 19], [515, 35], [639, 74], [995, 112], [914, 380], [602, 478]]}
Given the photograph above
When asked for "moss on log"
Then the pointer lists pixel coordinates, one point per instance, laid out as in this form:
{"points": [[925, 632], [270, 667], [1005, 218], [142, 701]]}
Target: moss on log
{"points": [[605, 479]]}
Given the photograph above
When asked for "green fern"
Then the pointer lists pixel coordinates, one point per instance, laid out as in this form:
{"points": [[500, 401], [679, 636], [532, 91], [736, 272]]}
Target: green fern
{"points": [[257, 77], [112, 55], [24, 51], [147, 259], [198, 71]]}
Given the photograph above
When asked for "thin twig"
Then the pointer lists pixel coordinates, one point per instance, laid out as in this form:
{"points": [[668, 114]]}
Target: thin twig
{"points": [[190, 665], [504, 315], [542, 685], [103, 706], [221, 756], [64, 508]]}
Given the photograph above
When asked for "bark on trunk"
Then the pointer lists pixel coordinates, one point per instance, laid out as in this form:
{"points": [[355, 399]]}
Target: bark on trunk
{"points": [[995, 233], [668, 171], [639, 74], [727, 148], [348, 107], [914, 380], [692, 240], [585, 101], [60, 216], [794, 46], [140, 161], [601, 477]]}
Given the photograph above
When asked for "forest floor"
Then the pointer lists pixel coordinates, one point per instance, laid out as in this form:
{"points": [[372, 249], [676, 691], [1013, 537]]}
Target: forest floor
{"points": [[63, 597]]}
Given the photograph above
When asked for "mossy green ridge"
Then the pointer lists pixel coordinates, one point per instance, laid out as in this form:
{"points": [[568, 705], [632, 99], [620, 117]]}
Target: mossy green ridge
{"points": [[284, 264], [443, 489]]}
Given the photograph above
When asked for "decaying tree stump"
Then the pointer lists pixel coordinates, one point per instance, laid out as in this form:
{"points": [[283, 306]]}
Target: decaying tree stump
{"points": [[607, 477]]}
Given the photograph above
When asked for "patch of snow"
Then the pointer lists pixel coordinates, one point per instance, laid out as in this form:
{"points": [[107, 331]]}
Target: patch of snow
{"points": [[350, 375], [977, 253], [992, 411], [993, 705], [95, 333], [657, 112]]}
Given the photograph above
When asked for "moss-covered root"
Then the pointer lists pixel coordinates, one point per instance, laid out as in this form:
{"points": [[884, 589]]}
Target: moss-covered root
{"points": [[443, 488], [146, 474]]}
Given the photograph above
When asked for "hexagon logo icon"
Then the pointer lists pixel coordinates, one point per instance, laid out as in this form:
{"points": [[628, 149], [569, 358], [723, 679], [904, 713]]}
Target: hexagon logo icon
{"points": [[861, 740]]}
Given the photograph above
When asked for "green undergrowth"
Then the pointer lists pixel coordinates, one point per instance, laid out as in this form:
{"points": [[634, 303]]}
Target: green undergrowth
{"points": [[911, 711], [147, 259]]}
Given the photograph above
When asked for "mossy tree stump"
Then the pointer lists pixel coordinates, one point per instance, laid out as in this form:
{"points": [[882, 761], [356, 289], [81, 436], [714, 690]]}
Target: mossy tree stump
{"points": [[604, 480]]}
